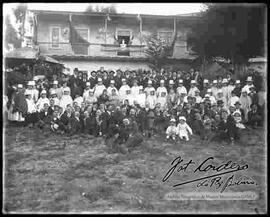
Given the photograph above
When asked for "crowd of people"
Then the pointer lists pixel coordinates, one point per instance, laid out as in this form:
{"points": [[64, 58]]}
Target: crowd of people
{"points": [[127, 105]]}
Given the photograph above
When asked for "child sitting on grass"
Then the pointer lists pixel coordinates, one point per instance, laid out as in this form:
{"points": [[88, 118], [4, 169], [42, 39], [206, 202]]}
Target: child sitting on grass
{"points": [[183, 129], [171, 131]]}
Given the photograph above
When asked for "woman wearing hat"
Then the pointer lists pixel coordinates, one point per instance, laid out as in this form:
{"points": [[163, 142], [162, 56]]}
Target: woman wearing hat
{"points": [[32, 91], [18, 108], [248, 85], [111, 87], [161, 88], [123, 89], [149, 88], [141, 98], [66, 99], [135, 88], [42, 100], [151, 99]]}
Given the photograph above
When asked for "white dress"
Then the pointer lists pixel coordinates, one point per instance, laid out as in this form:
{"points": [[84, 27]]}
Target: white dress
{"points": [[171, 130], [65, 100], [183, 130]]}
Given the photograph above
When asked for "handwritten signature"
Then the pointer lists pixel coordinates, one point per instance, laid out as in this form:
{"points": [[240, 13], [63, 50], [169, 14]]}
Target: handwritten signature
{"points": [[178, 165]]}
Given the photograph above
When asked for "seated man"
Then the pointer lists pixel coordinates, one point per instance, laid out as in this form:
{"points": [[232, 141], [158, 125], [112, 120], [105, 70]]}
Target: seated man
{"points": [[254, 116]]}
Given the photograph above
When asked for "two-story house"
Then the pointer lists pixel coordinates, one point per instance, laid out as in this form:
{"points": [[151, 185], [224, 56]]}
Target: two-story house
{"points": [[113, 41]]}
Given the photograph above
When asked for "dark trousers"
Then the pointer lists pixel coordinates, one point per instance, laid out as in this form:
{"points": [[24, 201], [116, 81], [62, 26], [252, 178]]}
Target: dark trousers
{"points": [[31, 118]]}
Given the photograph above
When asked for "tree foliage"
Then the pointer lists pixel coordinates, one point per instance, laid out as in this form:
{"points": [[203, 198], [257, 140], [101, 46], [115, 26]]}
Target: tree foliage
{"points": [[20, 14], [232, 31], [158, 51], [11, 36], [102, 9]]}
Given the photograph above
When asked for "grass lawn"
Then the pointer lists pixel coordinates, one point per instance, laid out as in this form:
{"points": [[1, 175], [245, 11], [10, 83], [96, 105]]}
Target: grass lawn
{"points": [[54, 173]]}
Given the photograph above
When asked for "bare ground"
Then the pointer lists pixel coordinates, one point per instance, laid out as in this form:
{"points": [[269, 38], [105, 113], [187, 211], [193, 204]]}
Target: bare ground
{"points": [[53, 173]]}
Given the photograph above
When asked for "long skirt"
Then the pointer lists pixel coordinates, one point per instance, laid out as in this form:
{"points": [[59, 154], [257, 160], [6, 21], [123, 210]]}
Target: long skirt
{"points": [[16, 116]]}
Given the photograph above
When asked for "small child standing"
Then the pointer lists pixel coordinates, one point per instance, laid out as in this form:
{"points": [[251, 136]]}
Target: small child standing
{"points": [[183, 129], [171, 131]]}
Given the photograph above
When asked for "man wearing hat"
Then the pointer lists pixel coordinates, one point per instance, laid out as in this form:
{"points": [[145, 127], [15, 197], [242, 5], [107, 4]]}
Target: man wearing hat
{"points": [[57, 90], [239, 109], [211, 97], [112, 87], [227, 127], [123, 89], [99, 88], [206, 86], [32, 116], [254, 116], [106, 79], [237, 88], [171, 85], [33, 91], [93, 79], [248, 85], [181, 89], [42, 100], [193, 88]]}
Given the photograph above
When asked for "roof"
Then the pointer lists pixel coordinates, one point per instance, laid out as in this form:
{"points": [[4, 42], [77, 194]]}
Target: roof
{"points": [[185, 16], [22, 53]]}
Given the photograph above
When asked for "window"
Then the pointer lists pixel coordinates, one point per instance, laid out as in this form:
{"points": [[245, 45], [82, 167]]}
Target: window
{"points": [[165, 36], [123, 36], [55, 37]]}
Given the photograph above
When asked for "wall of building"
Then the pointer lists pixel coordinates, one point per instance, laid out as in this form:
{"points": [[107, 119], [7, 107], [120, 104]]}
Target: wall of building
{"points": [[94, 65], [96, 36]]}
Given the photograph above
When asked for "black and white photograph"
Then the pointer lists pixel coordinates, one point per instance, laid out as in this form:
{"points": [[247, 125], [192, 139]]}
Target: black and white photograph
{"points": [[134, 108]]}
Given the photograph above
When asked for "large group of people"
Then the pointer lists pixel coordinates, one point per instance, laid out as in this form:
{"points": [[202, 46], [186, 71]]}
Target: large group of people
{"points": [[129, 105]]}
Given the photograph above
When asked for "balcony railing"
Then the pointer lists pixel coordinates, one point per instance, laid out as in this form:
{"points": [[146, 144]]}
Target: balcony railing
{"points": [[94, 49]]}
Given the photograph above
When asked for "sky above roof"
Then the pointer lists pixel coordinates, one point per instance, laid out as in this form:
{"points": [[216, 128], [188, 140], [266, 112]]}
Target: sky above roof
{"points": [[129, 8]]}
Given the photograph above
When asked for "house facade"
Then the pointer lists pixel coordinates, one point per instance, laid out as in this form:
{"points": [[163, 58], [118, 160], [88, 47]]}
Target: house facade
{"points": [[114, 41]]}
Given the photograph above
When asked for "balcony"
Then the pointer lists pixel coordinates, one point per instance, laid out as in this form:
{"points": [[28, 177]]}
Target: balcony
{"points": [[94, 50]]}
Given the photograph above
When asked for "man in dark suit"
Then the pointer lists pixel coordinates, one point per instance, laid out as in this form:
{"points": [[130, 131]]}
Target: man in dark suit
{"points": [[227, 127]]}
